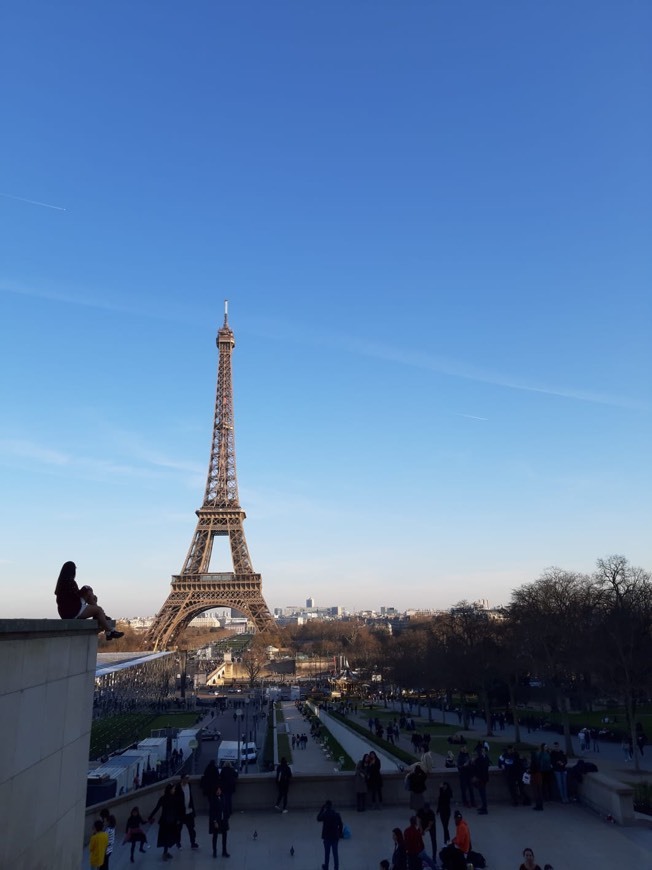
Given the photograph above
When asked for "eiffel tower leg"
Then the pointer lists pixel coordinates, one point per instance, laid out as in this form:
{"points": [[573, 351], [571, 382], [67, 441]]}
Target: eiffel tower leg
{"points": [[190, 598]]}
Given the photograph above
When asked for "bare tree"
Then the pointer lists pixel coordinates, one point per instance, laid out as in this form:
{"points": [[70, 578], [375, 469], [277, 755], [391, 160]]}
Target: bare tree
{"points": [[623, 648], [554, 619], [254, 658]]}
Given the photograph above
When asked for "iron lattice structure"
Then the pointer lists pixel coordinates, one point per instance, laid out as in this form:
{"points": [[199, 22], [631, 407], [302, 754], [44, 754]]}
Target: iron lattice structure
{"points": [[195, 589]]}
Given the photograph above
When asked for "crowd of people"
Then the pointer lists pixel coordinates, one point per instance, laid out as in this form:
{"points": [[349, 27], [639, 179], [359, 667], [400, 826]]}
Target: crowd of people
{"points": [[102, 840]]}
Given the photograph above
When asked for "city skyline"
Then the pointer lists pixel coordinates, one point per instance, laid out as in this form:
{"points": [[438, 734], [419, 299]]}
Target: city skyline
{"points": [[433, 232]]}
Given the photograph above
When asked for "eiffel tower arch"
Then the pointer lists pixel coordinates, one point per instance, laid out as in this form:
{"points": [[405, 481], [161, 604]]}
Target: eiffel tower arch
{"points": [[196, 589]]}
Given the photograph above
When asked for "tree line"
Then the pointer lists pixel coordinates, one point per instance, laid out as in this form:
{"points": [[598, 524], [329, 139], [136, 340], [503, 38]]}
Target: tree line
{"points": [[580, 637]]}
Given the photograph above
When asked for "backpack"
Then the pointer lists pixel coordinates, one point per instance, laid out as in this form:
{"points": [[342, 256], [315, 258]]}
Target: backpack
{"points": [[476, 859]]}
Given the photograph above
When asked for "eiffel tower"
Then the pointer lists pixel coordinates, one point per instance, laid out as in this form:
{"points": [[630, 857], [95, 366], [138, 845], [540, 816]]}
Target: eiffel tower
{"points": [[195, 590]]}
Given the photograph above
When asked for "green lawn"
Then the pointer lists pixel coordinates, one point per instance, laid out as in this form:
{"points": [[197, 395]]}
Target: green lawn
{"points": [[439, 734], [112, 733]]}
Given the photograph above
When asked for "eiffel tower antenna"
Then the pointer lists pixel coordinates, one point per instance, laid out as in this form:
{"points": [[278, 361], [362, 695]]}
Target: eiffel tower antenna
{"points": [[196, 589]]}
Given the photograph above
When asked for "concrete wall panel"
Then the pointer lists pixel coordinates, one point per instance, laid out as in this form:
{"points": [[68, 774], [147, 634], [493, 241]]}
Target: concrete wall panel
{"points": [[47, 671]]}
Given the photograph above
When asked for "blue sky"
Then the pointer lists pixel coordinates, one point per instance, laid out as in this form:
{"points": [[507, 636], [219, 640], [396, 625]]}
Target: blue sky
{"points": [[432, 222]]}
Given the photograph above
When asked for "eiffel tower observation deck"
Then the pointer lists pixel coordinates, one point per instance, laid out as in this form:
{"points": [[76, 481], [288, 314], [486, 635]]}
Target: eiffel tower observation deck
{"points": [[196, 589]]}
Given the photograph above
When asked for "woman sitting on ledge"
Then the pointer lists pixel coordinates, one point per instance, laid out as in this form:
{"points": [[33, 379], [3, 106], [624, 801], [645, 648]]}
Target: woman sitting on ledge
{"points": [[76, 603]]}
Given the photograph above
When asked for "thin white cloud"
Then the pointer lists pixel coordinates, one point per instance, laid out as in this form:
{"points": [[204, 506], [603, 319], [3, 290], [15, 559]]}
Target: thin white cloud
{"points": [[458, 369], [32, 201], [276, 330], [472, 417], [361, 347], [28, 450], [99, 300], [86, 466], [137, 448]]}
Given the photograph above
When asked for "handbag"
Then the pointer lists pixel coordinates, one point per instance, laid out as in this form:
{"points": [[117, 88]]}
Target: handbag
{"points": [[526, 778]]}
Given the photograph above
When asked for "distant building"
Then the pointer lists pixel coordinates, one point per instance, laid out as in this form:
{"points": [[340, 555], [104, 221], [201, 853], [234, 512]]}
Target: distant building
{"points": [[205, 621], [310, 603]]}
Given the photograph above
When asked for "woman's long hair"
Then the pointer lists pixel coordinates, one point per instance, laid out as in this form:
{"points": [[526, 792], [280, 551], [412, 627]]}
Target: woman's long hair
{"points": [[67, 573]]}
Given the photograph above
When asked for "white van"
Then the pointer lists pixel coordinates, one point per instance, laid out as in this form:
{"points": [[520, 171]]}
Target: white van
{"points": [[228, 751]]}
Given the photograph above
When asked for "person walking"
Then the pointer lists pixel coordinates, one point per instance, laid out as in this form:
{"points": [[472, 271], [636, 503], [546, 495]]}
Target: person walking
{"points": [[109, 827], [332, 830], [97, 845], [218, 820], [283, 777], [183, 793], [169, 822], [134, 832], [443, 810]]}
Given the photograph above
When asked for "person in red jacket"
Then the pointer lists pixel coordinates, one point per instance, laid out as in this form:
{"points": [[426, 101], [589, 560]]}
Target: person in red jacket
{"points": [[415, 848]]}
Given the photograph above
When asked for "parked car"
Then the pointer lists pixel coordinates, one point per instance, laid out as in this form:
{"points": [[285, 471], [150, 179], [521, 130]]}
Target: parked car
{"points": [[211, 734]]}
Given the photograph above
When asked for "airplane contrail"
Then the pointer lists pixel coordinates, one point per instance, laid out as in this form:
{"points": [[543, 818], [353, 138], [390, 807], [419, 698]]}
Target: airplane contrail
{"points": [[472, 417], [33, 201]]}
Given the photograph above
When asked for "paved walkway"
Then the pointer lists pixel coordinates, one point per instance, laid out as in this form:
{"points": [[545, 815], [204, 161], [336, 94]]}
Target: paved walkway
{"points": [[312, 759], [568, 837]]}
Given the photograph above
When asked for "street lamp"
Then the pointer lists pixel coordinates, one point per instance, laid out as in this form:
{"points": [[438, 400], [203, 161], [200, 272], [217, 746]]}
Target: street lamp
{"points": [[238, 715]]}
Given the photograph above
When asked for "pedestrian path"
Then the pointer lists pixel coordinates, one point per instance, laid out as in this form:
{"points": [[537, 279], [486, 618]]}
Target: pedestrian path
{"points": [[312, 759], [564, 836]]}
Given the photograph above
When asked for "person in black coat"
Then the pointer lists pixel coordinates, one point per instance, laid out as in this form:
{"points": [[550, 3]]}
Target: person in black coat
{"points": [[218, 820], [399, 856], [416, 783], [183, 794], [283, 779], [332, 831], [210, 779], [227, 782], [134, 832], [444, 808], [168, 825], [374, 781]]}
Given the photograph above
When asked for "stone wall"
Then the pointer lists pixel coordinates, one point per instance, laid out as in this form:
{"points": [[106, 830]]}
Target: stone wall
{"points": [[47, 672]]}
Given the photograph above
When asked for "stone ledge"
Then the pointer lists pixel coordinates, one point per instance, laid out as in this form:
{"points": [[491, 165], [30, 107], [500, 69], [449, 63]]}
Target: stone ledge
{"points": [[608, 796], [28, 629]]}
